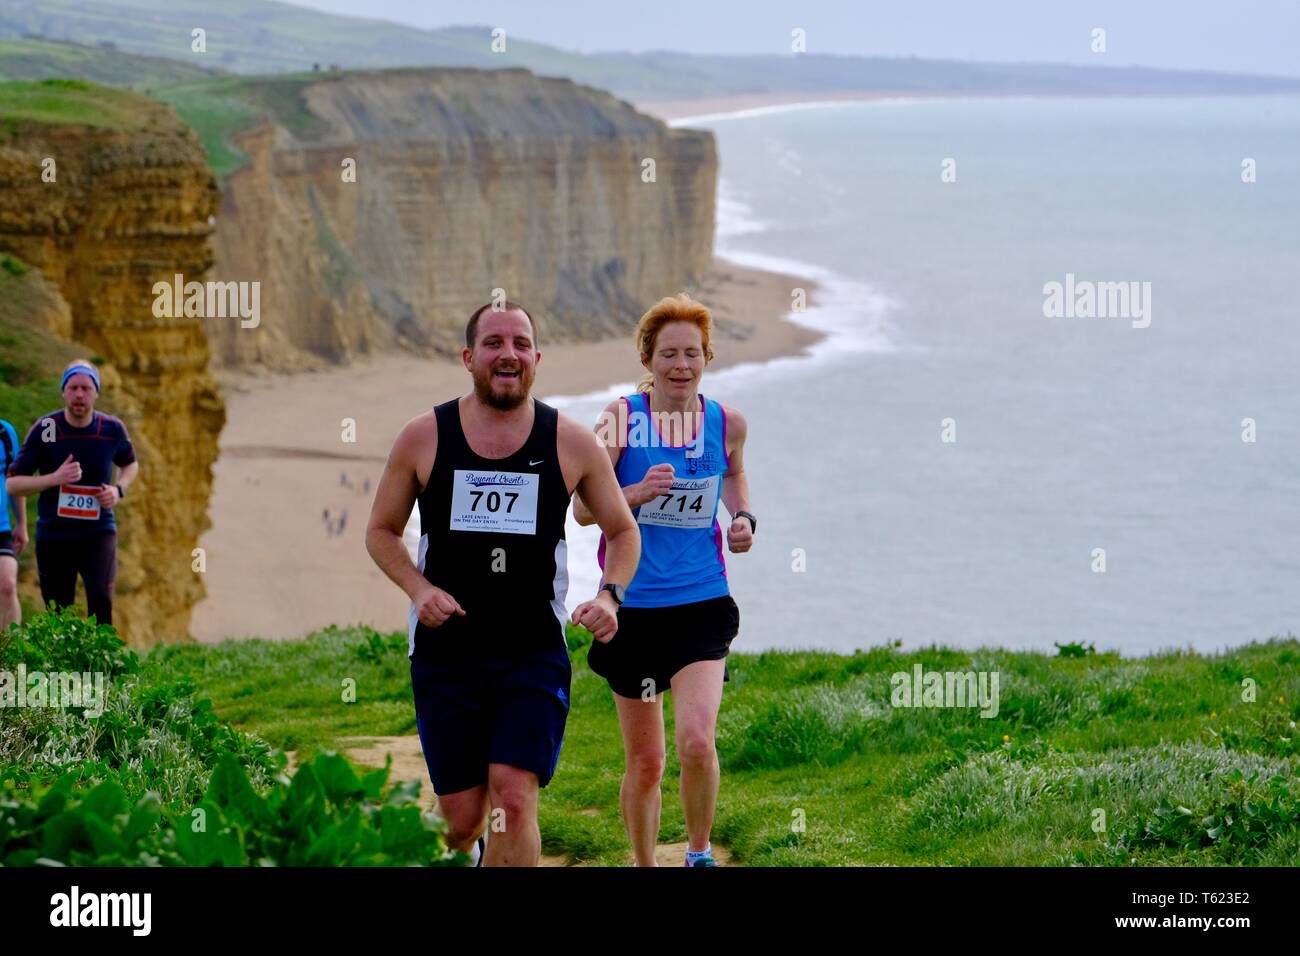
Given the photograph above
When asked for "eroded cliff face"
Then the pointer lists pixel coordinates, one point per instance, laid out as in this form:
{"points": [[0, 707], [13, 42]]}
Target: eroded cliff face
{"points": [[130, 206], [466, 181]]}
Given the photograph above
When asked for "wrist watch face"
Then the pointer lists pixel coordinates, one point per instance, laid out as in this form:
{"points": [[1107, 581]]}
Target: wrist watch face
{"points": [[616, 590]]}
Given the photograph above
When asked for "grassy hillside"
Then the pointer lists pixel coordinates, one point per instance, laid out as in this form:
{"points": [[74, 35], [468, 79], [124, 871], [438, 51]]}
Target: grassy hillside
{"points": [[1091, 759], [1162, 744], [259, 36], [72, 102], [44, 59]]}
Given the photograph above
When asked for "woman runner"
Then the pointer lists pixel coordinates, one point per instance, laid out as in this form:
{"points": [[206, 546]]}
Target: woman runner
{"points": [[676, 454]]}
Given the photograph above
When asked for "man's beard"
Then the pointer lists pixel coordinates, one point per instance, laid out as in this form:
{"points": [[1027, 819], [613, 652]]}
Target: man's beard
{"points": [[502, 402]]}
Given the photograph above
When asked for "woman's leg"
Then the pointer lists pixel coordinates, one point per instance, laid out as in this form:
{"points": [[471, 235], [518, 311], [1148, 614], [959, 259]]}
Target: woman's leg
{"points": [[642, 722], [697, 694]]}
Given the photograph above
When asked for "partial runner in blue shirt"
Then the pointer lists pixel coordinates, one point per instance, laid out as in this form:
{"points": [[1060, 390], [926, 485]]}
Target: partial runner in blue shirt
{"points": [[13, 535]]}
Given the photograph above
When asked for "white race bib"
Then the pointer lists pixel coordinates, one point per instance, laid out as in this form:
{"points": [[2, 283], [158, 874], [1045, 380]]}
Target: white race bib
{"points": [[690, 504], [78, 501], [500, 501]]}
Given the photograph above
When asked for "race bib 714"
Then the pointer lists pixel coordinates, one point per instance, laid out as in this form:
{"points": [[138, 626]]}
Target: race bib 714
{"points": [[500, 501], [690, 503]]}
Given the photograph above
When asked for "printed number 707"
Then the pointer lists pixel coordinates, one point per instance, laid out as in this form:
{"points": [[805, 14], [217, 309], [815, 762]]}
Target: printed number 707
{"points": [[493, 500]]}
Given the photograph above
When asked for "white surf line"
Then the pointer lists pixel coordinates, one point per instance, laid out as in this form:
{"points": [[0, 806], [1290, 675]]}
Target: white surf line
{"points": [[747, 112]]}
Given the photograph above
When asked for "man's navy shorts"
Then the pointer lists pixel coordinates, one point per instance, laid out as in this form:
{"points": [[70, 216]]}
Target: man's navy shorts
{"points": [[476, 712]]}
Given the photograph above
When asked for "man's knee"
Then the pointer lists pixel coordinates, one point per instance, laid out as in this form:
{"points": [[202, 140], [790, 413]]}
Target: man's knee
{"points": [[464, 817], [513, 790]]}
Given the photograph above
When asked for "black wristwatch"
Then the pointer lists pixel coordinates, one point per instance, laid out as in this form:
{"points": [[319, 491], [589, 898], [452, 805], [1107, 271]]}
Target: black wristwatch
{"points": [[753, 522], [120, 493], [615, 589]]}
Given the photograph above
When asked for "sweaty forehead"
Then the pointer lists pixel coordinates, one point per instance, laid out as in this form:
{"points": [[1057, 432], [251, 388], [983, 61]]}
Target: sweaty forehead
{"points": [[511, 323]]}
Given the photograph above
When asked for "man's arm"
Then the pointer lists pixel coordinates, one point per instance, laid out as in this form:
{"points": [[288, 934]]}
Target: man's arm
{"points": [[394, 499], [23, 480], [607, 436], [599, 488], [399, 487], [20, 486], [735, 486], [126, 476], [658, 478], [108, 496]]}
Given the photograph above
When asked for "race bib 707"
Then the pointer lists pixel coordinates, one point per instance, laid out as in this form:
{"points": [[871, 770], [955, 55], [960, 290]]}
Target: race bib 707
{"points": [[500, 501]]}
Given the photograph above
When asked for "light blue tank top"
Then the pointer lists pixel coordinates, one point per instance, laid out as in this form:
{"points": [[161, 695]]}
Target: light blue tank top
{"points": [[9, 446], [681, 541]]}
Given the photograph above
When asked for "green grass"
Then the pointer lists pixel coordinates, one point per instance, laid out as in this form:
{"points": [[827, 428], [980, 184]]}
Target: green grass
{"points": [[64, 102], [219, 109], [812, 737]]}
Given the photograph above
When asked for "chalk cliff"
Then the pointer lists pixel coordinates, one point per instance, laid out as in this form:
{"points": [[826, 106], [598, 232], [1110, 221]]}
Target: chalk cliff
{"points": [[466, 181]]}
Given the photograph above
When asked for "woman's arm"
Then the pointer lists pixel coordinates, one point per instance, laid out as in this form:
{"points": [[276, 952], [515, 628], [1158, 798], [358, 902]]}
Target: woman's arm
{"points": [[735, 486]]}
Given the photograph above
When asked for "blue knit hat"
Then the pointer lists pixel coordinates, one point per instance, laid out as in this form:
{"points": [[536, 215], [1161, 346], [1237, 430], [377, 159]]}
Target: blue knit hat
{"points": [[81, 370]]}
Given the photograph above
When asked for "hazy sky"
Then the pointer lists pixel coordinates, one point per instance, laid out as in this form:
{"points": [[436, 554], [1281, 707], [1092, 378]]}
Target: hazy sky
{"points": [[1254, 36]]}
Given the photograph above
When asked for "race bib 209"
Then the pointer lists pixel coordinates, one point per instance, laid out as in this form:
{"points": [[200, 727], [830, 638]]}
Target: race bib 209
{"points": [[78, 501], [500, 501]]}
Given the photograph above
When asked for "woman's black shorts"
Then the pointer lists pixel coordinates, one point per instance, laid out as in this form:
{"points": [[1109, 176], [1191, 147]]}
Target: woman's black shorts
{"points": [[654, 643]]}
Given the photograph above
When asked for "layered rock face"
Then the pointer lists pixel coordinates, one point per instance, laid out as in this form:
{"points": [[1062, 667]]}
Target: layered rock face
{"points": [[130, 206], [466, 181]]}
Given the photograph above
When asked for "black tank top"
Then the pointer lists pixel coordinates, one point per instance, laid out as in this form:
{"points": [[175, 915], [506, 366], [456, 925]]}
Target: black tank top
{"points": [[492, 536]]}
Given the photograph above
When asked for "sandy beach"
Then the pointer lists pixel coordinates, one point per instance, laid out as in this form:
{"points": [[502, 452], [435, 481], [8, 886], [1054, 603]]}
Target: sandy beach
{"points": [[274, 567], [669, 110]]}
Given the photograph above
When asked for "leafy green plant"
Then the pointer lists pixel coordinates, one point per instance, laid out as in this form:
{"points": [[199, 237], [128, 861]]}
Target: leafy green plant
{"points": [[376, 648], [325, 816], [1074, 650], [62, 640], [1250, 812]]}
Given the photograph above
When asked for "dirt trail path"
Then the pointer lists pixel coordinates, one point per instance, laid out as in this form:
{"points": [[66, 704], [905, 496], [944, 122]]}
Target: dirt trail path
{"points": [[408, 764]]}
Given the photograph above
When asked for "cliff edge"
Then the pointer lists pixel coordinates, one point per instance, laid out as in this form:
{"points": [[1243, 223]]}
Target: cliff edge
{"points": [[377, 210]]}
